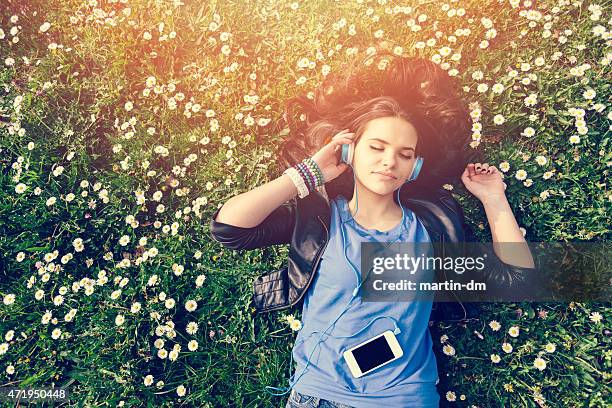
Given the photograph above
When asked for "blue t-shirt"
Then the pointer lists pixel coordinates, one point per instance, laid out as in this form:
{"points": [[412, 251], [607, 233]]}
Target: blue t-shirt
{"points": [[408, 381]]}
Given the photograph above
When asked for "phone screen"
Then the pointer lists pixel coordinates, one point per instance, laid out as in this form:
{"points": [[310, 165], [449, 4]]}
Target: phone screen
{"points": [[373, 354]]}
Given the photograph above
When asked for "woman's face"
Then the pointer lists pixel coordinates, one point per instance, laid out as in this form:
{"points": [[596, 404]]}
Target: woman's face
{"points": [[387, 145]]}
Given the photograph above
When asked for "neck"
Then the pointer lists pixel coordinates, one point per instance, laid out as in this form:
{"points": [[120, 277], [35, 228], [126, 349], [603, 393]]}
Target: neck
{"points": [[373, 207]]}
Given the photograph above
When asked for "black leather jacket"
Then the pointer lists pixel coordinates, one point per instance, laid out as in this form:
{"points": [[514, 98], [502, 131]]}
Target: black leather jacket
{"points": [[305, 224]]}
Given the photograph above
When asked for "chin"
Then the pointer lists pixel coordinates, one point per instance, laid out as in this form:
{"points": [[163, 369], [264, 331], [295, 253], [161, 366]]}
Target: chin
{"points": [[382, 189]]}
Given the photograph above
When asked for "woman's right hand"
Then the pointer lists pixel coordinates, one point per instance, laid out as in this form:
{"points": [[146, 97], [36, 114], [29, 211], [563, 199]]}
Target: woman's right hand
{"points": [[327, 158]]}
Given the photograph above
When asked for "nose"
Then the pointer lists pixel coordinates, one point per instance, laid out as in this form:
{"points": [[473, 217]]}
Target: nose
{"points": [[389, 160]]}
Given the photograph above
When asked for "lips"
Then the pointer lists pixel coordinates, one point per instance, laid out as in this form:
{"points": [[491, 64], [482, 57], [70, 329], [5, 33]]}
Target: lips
{"points": [[385, 174]]}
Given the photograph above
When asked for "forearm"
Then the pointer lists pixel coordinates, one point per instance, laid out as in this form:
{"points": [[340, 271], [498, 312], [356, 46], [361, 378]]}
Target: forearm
{"points": [[505, 231], [249, 209]]}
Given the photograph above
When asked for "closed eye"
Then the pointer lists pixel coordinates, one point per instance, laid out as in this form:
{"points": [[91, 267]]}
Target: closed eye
{"points": [[378, 148]]}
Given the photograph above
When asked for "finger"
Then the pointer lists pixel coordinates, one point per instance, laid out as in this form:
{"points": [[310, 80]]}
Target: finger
{"points": [[471, 169], [465, 175], [342, 132], [477, 167], [330, 139], [334, 143], [343, 140], [343, 136], [485, 166], [492, 170], [339, 134]]}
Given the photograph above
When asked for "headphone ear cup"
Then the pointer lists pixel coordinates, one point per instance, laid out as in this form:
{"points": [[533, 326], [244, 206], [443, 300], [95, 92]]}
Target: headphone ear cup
{"points": [[416, 169], [347, 153]]}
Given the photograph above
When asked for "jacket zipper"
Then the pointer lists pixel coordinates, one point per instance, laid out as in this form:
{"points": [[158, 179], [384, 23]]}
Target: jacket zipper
{"points": [[314, 269]]}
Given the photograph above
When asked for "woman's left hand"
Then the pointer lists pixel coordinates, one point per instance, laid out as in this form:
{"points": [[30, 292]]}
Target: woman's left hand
{"points": [[484, 181]]}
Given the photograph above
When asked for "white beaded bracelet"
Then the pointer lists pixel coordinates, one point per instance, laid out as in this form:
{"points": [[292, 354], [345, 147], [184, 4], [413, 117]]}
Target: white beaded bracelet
{"points": [[298, 181]]}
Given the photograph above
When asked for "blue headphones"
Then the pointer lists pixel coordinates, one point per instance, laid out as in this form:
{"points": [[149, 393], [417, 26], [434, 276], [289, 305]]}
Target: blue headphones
{"points": [[347, 157]]}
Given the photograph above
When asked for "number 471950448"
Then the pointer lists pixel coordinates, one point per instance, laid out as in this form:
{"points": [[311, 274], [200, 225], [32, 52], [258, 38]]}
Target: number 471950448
{"points": [[31, 394]]}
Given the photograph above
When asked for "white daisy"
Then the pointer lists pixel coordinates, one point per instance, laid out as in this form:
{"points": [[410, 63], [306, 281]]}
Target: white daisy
{"points": [[148, 380], [539, 363], [192, 345], [191, 305], [596, 317], [521, 175], [494, 325], [295, 325], [119, 320], [448, 350], [451, 396], [8, 299], [20, 188]]}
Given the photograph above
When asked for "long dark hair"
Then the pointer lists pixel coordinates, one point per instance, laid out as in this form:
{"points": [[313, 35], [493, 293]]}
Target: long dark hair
{"points": [[412, 88]]}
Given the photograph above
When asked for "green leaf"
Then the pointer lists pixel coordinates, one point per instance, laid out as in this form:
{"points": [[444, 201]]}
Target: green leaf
{"points": [[77, 375], [32, 379], [530, 312], [37, 248]]}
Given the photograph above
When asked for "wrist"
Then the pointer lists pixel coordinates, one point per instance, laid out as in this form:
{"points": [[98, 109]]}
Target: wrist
{"points": [[494, 200]]}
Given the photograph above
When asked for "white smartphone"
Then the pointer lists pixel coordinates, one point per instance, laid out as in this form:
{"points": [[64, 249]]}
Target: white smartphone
{"points": [[373, 353]]}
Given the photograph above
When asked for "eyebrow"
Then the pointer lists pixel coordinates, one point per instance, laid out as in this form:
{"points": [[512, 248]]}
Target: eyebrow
{"points": [[385, 142]]}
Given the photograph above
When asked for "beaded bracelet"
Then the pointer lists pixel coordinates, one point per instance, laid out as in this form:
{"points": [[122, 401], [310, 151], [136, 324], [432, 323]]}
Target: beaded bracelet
{"points": [[298, 180], [316, 170], [304, 174], [307, 176]]}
